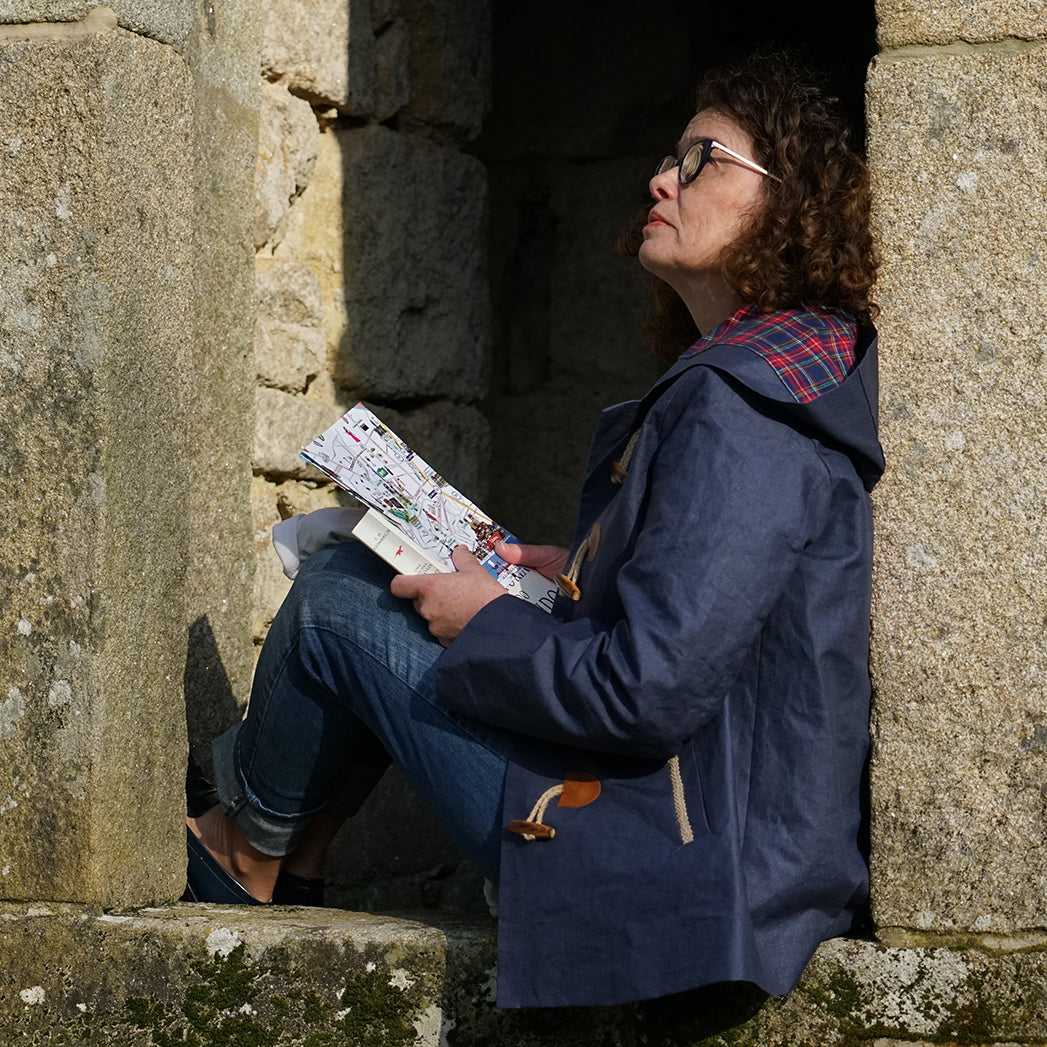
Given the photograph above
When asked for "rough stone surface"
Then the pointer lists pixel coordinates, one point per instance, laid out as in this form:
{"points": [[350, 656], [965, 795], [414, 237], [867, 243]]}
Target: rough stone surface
{"points": [[932, 22], [393, 227], [450, 66], [959, 155], [552, 86], [284, 424], [314, 237], [395, 856], [453, 438], [415, 278], [288, 134], [169, 21], [95, 246], [591, 205], [323, 50], [290, 348], [223, 60], [208, 974]]}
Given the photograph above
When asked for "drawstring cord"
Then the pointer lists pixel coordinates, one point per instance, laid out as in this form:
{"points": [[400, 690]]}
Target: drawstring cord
{"points": [[567, 582], [683, 822], [580, 790], [620, 468]]}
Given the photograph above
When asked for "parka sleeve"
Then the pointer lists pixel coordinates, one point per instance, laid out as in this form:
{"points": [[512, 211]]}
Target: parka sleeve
{"points": [[731, 498]]}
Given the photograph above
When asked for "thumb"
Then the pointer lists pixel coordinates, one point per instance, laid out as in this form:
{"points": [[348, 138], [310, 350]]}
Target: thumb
{"points": [[510, 552]]}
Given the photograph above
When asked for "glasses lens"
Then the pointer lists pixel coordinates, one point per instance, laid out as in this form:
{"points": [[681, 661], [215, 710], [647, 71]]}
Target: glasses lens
{"points": [[694, 160], [667, 163]]}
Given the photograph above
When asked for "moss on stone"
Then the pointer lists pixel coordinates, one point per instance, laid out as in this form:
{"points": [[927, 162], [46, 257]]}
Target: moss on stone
{"points": [[378, 1012]]}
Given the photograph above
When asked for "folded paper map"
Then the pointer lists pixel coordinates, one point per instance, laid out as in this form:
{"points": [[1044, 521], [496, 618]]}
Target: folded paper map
{"points": [[415, 517]]}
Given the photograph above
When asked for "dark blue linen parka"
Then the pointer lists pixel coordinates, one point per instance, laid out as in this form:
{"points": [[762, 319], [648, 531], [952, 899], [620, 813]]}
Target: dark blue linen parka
{"points": [[712, 678]]}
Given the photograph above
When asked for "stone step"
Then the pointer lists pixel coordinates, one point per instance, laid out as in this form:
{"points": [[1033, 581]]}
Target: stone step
{"points": [[202, 975]]}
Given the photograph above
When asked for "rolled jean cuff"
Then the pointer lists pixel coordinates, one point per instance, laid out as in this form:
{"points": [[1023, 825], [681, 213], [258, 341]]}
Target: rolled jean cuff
{"points": [[267, 831]]}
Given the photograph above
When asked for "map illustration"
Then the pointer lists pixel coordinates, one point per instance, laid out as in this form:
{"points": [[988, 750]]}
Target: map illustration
{"points": [[370, 461]]}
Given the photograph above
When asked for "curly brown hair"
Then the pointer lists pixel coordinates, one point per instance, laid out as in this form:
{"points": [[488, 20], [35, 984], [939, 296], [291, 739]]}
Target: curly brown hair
{"points": [[811, 244]]}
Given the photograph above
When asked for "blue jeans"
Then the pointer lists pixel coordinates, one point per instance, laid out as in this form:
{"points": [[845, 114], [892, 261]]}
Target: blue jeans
{"points": [[347, 675]]}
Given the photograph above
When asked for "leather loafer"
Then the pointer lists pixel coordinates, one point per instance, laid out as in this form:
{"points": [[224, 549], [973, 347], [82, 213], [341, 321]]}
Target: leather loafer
{"points": [[208, 881], [200, 794], [298, 890]]}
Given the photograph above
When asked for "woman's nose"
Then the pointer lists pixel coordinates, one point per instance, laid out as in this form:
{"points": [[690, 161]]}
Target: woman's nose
{"points": [[664, 185]]}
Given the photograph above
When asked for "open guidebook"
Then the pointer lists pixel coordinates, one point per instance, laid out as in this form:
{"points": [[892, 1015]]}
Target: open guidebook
{"points": [[414, 518]]}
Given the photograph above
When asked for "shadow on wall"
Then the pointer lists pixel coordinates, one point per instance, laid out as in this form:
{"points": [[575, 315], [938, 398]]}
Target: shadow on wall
{"points": [[210, 704]]}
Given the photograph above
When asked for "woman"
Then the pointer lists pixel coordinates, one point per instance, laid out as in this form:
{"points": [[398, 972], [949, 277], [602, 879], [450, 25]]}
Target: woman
{"points": [[663, 776]]}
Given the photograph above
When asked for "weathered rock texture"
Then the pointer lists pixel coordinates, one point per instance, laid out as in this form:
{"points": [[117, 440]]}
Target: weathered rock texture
{"points": [[96, 202], [450, 67], [932, 22], [211, 975], [168, 21], [415, 284], [371, 283], [353, 56], [222, 55], [959, 154]]}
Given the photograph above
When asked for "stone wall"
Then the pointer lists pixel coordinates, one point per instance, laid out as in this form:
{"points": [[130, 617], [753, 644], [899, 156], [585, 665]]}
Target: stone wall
{"points": [[117, 133], [133, 252], [371, 282], [369, 233], [958, 146]]}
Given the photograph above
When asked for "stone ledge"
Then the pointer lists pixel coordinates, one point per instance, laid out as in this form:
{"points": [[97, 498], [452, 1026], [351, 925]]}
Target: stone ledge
{"points": [[203, 974]]}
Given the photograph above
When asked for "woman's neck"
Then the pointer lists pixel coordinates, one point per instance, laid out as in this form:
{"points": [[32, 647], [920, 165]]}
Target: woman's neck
{"points": [[710, 301]]}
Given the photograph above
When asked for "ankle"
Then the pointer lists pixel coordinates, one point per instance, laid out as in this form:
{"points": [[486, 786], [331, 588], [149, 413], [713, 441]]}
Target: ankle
{"points": [[254, 871]]}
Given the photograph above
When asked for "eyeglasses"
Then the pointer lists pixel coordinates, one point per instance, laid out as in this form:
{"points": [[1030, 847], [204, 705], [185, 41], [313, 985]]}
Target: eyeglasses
{"points": [[697, 156]]}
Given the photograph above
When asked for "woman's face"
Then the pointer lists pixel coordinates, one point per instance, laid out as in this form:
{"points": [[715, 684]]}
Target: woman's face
{"points": [[689, 226]]}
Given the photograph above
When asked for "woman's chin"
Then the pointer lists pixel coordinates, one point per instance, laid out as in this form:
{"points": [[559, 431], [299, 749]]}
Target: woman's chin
{"points": [[647, 256]]}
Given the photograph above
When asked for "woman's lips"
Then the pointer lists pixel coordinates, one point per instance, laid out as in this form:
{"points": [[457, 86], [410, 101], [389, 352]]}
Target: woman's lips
{"points": [[654, 218]]}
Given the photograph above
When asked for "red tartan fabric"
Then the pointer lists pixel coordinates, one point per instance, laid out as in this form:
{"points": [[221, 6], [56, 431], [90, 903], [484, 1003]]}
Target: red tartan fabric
{"points": [[811, 351]]}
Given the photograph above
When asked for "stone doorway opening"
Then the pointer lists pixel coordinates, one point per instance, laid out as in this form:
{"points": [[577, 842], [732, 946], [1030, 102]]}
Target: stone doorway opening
{"points": [[583, 105]]}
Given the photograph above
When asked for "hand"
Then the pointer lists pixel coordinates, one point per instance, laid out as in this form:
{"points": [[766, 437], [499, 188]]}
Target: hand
{"points": [[448, 601], [547, 560]]}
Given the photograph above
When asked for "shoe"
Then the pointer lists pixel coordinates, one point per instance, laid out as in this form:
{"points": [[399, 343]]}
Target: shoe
{"points": [[200, 794], [208, 881], [298, 890]]}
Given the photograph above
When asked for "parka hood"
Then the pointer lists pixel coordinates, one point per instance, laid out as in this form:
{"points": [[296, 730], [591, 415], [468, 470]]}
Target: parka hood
{"points": [[844, 418]]}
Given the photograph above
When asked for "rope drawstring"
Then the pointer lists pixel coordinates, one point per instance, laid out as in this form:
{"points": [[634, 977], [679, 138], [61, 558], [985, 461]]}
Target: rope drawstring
{"points": [[683, 822], [620, 468], [567, 582]]}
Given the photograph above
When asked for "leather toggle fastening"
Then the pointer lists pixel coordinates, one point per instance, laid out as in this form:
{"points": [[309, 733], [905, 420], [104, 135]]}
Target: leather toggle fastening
{"points": [[577, 790], [567, 583], [531, 830]]}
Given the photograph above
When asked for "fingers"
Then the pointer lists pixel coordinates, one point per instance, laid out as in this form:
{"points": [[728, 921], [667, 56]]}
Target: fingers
{"points": [[407, 586], [464, 560], [510, 552], [447, 601]]}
